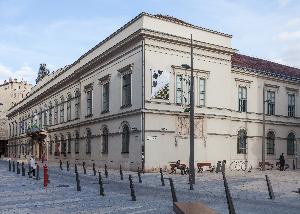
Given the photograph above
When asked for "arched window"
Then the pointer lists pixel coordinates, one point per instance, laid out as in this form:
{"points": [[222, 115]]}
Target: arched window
{"points": [[242, 142], [62, 109], [105, 140], [63, 144], [50, 114], [291, 144], [69, 107], [69, 143], [56, 112], [77, 104], [270, 143], [88, 140], [125, 139], [76, 142]]}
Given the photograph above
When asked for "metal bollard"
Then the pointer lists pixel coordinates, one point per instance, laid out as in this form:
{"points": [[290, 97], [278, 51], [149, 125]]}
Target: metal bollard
{"points": [[162, 177], [18, 169], [68, 166], [76, 168], [105, 171], [23, 169], [174, 197], [45, 175], [101, 184], [14, 169], [294, 166], [132, 193], [228, 195], [121, 172], [84, 169], [60, 165], [270, 189], [37, 172], [9, 165], [94, 170], [139, 175], [78, 182]]}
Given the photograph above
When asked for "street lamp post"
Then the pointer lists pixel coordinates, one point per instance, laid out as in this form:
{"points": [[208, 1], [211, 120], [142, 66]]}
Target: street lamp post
{"points": [[263, 154], [263, 136], [192, 101]]}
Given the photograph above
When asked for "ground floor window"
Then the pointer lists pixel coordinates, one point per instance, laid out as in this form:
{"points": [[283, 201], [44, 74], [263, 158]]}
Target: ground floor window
{"points": [[242, 142], [270, 143]]}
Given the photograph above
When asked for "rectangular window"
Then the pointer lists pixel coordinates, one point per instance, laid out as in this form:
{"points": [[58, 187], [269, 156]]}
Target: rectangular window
{"points": [[126, 90], [40, 119], [202, 92], [56, 114], [242, 99], [77, 102], [179, 91], [62, 112], [271, 102], [76, 143], [50, 116], [89, 101], [69, 110], [291, 105], [105, 97]]}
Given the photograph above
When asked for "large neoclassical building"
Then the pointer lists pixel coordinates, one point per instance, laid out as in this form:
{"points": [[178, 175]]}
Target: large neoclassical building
{"points": [[125, 102]]}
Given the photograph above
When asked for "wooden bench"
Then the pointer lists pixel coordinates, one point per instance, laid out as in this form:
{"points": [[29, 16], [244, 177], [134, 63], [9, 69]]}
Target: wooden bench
{"points": [[201, 165], [191, 208], [267, 164], [182, 167]]}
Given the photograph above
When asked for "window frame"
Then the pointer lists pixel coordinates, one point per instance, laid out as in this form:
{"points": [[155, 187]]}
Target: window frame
{"points": [[126, 90], [105, 139], [125, 139], [291, 105], [242, 146], [271, 102], [291, 138], [105, 97], [270, 143], [242, 97]]}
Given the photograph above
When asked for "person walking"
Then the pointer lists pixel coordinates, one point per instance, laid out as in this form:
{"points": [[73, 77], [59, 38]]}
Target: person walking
{"points": [[282, 162]]}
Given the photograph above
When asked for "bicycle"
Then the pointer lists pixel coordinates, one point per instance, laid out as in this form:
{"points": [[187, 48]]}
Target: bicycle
{"points": [[240, 165]]}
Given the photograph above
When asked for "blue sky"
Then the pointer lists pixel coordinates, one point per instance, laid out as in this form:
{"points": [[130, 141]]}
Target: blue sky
{"points": [[57, 32]]}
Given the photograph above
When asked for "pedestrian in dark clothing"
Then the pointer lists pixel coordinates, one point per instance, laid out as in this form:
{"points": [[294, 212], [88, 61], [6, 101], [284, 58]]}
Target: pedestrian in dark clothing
{"points": [[282, 162], [180, 167]]}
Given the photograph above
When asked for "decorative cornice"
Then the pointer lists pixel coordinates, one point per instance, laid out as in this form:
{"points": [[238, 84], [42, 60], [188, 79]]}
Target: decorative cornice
{"points": [[104, 79], [126, 70]]}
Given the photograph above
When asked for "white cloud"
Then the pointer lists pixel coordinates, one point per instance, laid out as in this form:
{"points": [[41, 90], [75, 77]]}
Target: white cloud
{"points": [[294, 22], [25, 73], [284, 2], [288, 36]]}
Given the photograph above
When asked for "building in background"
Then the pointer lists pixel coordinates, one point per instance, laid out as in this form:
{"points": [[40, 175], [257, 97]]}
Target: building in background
{"points": [[11, 92], [124, 102]]}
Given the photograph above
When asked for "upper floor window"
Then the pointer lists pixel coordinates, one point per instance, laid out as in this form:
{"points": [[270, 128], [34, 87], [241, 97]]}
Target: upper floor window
{"points": [[271, 102], [56, 113], [242, 142], [41, 118], [50, 114], [126, 90], [179, 89], [201, 92], [125, 139], [89, 102], [62, 109], [105, 140], [291, 105], [45, 116], [242, 99], [105, 97], [88, 140], [270, 143], [76, 142], [291, 144], [77, 104], [69, 107]]}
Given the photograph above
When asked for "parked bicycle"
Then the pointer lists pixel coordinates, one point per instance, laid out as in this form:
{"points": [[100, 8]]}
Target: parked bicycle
{"points": [[240, 165]]}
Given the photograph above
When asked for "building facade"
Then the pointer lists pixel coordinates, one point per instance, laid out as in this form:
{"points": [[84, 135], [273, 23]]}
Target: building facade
{"points": [[125, 102], [11, 92]]}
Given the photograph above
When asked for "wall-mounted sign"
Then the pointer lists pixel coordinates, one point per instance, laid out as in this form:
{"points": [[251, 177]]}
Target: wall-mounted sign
{"points": [[160, 84]]}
